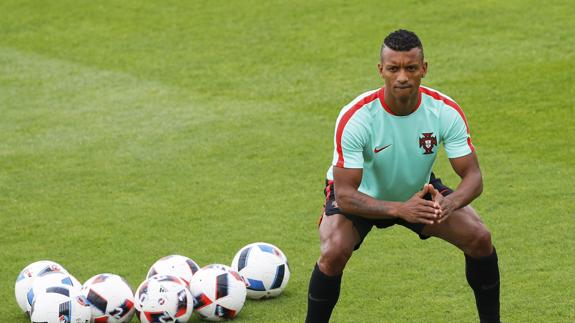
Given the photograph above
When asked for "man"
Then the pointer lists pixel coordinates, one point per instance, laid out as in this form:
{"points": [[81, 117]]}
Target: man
{"points": [[386, 141]]}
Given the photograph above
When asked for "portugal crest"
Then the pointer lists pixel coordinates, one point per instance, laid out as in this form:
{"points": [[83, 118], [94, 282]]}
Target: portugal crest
{"points": [[427, 142]]}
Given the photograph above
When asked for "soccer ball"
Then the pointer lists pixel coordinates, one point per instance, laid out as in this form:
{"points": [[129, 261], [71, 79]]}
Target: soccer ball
{"points": [[60, 303], [50, 279], [27, 276], [110, 297], [163, 298], [265, 269], [219, 292], [175, 265]]}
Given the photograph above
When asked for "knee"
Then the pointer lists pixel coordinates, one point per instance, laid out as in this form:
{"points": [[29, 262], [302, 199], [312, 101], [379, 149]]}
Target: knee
{"points": [[480, 245], [333, 258]]}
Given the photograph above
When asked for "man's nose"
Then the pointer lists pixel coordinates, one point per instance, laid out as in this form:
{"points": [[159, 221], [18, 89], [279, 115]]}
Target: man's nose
{"points": [[402, 76]]}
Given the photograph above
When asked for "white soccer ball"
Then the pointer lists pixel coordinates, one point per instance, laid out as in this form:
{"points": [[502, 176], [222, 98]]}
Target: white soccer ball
{"points": [[28, 275], [50, 279], [163, 298], [265, 269], [175, 265], [219, 292], [60, 303], [110, 297]]}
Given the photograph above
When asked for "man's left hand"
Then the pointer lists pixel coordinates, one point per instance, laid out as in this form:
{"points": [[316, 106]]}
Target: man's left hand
{"points": [[446, 205]]}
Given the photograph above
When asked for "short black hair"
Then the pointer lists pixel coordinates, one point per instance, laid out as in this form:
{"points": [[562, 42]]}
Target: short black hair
{"points": [[402, 40]]}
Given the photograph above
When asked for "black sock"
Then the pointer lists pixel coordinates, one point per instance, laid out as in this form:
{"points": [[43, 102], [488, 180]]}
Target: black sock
{"points": [[483, 277], [322, 296]]}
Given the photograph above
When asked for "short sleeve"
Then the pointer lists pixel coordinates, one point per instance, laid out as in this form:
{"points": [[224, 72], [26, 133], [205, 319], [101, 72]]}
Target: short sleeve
{"points": [[350, 139], [456, 138]]}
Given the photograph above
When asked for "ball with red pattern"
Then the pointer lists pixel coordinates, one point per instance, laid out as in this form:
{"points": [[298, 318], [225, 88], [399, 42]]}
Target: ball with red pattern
{"points": [[175, 265], [219, 292], [110, 297], [163, 298]]}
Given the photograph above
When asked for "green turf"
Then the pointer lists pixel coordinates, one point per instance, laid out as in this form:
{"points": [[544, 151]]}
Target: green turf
{"points": [[131, 130]]}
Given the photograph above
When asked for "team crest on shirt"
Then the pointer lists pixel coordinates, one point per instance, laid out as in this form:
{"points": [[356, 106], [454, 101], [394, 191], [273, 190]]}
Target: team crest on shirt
{"points": [[427, 142]]}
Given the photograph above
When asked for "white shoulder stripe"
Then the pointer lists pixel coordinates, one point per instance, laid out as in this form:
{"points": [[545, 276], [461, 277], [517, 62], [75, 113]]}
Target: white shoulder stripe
{"points": [[354, 102], [359, 98], [440, 93]]}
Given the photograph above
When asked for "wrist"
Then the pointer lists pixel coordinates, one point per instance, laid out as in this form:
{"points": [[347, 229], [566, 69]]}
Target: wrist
{"points": [[454, 201], [395, 209]]}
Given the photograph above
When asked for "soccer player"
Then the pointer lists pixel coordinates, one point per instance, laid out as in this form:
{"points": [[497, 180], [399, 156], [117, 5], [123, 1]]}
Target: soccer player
{"points": [[385, 143]]}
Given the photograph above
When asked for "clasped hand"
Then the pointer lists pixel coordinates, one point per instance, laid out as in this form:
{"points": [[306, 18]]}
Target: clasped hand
{"points": [[420, 210]]}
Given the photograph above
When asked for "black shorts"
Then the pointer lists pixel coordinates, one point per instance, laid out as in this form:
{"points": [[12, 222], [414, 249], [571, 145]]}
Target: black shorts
{"points": [[364, 225]]}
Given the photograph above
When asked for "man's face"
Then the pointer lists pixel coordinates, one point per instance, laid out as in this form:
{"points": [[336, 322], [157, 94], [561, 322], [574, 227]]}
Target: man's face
{"points": [[402, 71]]}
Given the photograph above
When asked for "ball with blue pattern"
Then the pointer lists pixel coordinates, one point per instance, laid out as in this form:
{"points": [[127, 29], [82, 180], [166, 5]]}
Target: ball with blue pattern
{"points": [[264, 268]]}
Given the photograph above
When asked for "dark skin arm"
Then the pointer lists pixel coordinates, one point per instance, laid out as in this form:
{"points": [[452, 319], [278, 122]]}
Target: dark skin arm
{"points": [[350, 200], [470, 187], [416, 209]]}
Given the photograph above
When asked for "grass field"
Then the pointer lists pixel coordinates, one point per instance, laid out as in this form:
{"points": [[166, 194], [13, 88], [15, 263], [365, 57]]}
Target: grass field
{"points": [[131, 130]]}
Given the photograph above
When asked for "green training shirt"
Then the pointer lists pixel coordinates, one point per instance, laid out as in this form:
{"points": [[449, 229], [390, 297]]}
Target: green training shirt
{"points": [[395, 152]]}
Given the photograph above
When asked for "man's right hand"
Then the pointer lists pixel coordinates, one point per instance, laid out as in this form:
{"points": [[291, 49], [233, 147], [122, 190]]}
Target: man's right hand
{"points": [[419, 210]]}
